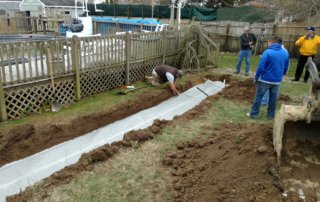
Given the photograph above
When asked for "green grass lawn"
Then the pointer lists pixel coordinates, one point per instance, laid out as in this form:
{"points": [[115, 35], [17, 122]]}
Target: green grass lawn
{"points": [[229, 60]]}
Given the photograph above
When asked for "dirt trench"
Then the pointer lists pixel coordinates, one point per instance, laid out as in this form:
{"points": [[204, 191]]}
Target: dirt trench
{"points": [[132, 139], [236, 163], [28, 139]]}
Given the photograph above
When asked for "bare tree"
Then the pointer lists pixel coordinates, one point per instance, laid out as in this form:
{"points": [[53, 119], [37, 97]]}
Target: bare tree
{"points": [[296, 9], [224, 3]]}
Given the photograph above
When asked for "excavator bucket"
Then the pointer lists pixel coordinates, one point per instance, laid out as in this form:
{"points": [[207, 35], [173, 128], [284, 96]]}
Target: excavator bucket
{"points": [[299, 123], [296, 140], [292, 131]]}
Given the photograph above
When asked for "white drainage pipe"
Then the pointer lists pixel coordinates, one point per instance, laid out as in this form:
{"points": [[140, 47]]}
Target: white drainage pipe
{"points": [[16, 176]]}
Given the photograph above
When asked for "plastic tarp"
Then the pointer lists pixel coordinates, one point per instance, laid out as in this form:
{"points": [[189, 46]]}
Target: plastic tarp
{"points": [[159, 11], [20, 174], [204, 14], [245, 14], [128, 21]]}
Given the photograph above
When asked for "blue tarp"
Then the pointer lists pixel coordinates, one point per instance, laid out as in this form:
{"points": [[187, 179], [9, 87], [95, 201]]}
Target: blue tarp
{"points": [[128, 21]]}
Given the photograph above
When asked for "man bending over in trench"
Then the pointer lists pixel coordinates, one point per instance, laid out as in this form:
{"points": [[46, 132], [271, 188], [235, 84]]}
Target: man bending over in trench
{"points": [[163, 73]]}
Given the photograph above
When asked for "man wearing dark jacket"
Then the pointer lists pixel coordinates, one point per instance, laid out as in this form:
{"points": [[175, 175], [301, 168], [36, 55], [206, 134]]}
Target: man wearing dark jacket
{"points": [[164, 73], [272, 66], [247, 40]]}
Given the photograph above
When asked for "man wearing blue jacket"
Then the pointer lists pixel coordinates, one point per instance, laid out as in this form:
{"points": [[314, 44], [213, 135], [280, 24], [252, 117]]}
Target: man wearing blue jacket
{"points": [[271, 68]]}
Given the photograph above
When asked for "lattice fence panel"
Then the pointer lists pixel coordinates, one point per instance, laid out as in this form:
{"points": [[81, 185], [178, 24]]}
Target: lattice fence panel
{"points": [[100, 80], [139, 70], [28, 99]]}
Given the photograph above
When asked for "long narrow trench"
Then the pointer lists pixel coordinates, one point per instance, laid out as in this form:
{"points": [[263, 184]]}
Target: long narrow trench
{"points": [[45, 163]]}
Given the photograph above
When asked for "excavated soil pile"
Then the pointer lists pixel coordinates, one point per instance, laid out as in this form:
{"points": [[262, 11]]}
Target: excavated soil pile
{"points": [[240, 91], [235, 164], [300, 162]]}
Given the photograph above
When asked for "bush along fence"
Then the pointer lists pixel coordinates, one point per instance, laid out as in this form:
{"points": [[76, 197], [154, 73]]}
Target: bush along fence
{"points": [[81, 67]]}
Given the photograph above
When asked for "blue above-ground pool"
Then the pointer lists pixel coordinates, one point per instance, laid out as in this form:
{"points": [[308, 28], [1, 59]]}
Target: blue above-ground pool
{"points": [[108, 25], [128, 21]]}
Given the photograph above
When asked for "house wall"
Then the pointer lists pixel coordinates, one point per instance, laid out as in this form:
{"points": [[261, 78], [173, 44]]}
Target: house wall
{"points": [[9, 9], [60, 12], [35, 7], [3, 11]]}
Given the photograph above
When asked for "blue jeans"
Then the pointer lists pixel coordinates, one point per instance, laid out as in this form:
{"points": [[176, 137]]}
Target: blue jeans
{"points": [[261, 90], [265, 98], [244, 54]]}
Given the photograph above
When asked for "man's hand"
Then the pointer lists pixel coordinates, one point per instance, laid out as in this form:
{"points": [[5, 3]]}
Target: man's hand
{"points": [[174, 89], [176, 92]]}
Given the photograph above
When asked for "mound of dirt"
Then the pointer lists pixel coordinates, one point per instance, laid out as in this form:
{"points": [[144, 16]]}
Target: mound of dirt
{"points": [[235, 164], [140, 136], [240, 91]]}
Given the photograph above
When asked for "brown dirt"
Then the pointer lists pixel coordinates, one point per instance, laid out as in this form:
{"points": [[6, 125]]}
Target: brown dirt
{"points": [[235, 164], [240, 91], [300, 162]]}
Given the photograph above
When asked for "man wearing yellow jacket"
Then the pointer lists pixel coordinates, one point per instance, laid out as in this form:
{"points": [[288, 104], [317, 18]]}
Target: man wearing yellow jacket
{"points": [[308, 44]]}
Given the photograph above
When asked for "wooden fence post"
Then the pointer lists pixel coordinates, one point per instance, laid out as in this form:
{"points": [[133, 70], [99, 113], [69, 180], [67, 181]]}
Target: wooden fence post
{"points": [[226, 40], [75, 64], [164, 46], [95, 31], [3, 109], [290, 45], [35, 24], [128, 54], [274, 27]]}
